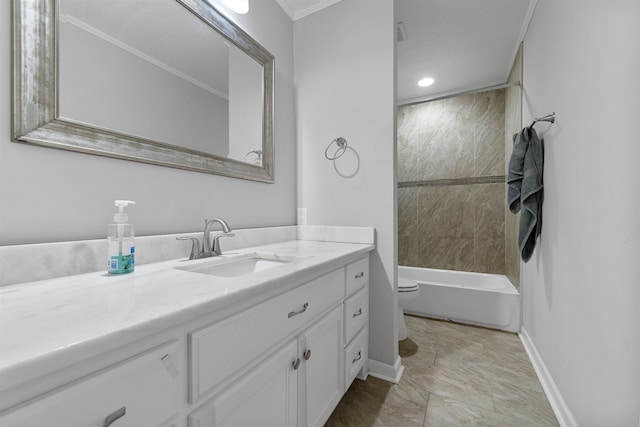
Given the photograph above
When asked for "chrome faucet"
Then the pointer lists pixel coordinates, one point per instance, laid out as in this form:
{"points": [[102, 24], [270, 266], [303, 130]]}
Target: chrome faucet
{"points": [[207, 250]]}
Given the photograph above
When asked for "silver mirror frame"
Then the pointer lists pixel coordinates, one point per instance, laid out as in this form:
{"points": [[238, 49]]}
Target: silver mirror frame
{"points": [[35, 118]]}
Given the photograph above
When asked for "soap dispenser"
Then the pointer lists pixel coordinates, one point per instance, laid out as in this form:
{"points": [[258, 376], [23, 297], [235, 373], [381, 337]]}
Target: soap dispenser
{"points": [[120, 237]]}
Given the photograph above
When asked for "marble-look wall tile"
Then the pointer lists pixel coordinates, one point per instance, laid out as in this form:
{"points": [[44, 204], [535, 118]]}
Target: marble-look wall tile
{"points": [[418, 117], [489, 255], [462, 108], [449, 253], [407, 211], [488, 149], [458, 225], [407, 157], [409, 250], [488, 107], [446, 211], [489, 210], [456, 137], [446, 152], [489, 229]]}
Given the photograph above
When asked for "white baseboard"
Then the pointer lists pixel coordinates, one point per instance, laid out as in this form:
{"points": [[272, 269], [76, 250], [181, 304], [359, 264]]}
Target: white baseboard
{"points": [[385, 371], [559, 406]]}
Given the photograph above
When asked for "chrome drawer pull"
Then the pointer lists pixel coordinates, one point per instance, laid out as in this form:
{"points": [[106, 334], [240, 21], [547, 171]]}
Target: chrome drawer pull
{"points": [[115, 415], [296, 364], [359, 275], [307, 354], [302, 310], [358, 357], [358, 313]]}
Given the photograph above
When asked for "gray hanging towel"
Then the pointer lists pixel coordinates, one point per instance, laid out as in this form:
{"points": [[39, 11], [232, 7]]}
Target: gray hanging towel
{"points": [[525, 189]]}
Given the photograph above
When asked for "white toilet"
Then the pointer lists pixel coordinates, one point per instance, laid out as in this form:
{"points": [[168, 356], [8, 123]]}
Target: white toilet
{"points": [[407, 290]]}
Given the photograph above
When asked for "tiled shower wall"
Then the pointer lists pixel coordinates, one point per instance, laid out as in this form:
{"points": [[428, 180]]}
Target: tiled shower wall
{"points": [[451, 166]]}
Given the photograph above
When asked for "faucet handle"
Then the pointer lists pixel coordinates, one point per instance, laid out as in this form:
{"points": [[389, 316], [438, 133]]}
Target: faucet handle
{"points": [[195, 246], [216, 243]]}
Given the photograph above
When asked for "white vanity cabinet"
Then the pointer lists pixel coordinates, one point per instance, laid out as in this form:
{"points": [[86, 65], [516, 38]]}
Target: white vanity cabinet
{"points": [[221, 352], [298, 385], [142, 391], [284, 359], [300, 382]]}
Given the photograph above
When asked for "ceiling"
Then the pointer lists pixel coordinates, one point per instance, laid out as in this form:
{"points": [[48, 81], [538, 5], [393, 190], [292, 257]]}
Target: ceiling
{"points": [[462, 44], [161, 32]]}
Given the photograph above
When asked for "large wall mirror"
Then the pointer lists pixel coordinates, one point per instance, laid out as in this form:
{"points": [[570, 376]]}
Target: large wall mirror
{"points": [[167, 82]]}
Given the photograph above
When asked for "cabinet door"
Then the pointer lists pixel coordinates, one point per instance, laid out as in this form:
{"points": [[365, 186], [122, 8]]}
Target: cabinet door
{"points": [[321, 381], [266, 396]]}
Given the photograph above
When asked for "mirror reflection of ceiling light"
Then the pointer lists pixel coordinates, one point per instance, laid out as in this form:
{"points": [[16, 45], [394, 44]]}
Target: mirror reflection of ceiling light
{"points": [[427, 81], [238, 6]]}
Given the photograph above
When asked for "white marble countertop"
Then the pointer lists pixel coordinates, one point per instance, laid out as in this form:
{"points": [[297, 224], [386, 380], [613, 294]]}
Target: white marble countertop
{"points": [[53, 323]]}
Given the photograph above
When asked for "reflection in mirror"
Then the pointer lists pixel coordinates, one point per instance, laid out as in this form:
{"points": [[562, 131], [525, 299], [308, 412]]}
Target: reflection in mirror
{"points": [[158, 73], [170, 82]]}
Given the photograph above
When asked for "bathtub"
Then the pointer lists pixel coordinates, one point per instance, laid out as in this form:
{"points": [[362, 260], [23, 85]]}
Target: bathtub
{"points": [[488, 300]]}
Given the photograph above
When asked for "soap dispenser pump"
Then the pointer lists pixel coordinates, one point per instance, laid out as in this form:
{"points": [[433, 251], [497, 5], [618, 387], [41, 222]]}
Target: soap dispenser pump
{"points": [[121, 242]]}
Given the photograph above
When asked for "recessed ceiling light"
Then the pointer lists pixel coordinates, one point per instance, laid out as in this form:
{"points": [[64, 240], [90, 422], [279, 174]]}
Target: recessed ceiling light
{"points": [[427, 81]]}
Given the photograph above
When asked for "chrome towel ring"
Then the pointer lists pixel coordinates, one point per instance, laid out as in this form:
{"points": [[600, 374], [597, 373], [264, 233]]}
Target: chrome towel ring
{"points": [[341, 143]]}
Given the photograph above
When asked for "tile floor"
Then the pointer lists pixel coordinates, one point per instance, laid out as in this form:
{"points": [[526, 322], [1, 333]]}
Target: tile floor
{"points": [[455, 375]]}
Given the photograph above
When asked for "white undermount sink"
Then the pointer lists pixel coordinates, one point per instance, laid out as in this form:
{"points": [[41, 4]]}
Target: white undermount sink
{"points": [[237, 267]]}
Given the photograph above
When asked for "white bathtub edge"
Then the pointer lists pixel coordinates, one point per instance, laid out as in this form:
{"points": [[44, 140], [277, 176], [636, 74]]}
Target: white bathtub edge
{"points": [[557, 402], [513, 326]]}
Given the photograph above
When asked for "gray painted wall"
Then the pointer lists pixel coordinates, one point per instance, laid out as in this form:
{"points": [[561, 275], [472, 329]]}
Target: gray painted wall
{"points": [[581, 293], [49, 195], [344, 67]]}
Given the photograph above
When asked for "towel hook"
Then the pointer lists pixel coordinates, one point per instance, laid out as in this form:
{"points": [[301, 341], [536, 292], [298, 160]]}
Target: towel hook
{"points": [[341, 143], [551, 118]]}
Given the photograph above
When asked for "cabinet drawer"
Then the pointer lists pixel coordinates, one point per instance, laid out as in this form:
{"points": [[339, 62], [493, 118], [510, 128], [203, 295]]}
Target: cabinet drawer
{"points": [[356, 313], [356, 355], [219, 352], [357, 275], [146, 387]]}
